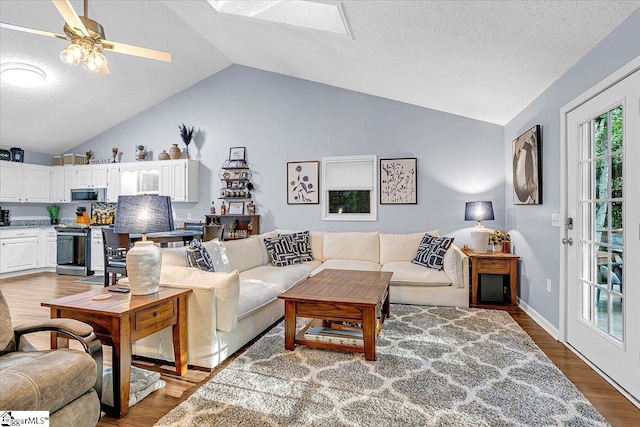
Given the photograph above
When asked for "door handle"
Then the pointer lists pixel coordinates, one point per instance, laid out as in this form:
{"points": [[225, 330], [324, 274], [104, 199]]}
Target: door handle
{"points": [[569, 241]]}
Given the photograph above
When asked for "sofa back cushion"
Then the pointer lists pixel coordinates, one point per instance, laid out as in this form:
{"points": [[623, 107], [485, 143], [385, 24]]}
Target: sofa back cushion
{"points": [[265, 255], [316, 238], [174, 256], [356, 246], [401, 247], [244, 254]]}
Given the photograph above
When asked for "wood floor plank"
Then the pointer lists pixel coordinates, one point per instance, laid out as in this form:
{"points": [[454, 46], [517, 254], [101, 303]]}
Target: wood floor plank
{"points": [[25, 293]]}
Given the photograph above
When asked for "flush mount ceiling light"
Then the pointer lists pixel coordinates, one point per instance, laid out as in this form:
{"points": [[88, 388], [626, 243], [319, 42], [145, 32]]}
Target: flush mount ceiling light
{"points": [[303, 14], [22, 75]]}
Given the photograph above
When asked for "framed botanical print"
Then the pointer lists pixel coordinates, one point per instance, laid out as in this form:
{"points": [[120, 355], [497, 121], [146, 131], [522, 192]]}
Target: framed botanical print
{"points": [[527, 170], [302, 183], [399, 181]]}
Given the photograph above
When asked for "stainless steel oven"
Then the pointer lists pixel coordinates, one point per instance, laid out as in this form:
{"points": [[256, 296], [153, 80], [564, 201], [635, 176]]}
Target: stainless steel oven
{"points": [[74, 250]]}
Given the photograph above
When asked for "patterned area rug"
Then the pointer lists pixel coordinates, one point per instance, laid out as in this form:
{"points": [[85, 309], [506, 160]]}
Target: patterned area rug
{"points": [[436, 367]]}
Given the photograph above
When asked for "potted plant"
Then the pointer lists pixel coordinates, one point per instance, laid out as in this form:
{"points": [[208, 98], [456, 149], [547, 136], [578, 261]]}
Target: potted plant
{"points": [[186, 134], [54, 211]]}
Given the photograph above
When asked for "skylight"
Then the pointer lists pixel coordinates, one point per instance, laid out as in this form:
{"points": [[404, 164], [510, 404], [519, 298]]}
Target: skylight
{"points": [[329, 17]]}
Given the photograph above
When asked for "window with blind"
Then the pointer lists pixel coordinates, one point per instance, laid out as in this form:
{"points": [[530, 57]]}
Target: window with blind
{"points": [[349, 188]]}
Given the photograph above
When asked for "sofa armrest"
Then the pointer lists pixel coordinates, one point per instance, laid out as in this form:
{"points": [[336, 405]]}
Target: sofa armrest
{"points": [[216, 296], [75, 329], [456, 265]]}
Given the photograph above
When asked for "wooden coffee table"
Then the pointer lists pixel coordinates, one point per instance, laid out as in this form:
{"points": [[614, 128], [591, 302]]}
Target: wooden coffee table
{"points": [[360, 297], [122, 319]]}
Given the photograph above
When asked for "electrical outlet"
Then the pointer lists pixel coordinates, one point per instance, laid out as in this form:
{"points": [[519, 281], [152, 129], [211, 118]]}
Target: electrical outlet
{"points": [[549, 285], [189, 215], [555, 220]]}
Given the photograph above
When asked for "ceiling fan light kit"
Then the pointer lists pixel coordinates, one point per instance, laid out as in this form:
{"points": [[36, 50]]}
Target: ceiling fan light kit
{"points": [[22, 75], [88, 40]]}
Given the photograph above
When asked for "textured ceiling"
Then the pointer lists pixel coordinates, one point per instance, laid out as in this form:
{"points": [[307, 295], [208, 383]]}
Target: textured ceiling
{"points": [[481, 59]]}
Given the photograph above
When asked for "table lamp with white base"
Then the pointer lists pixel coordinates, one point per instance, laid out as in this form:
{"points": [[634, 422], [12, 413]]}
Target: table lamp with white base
{"points": [[143, 214], [479, 211]]}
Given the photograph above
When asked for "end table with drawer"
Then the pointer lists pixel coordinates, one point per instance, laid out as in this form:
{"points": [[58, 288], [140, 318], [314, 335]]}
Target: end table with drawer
{"points": [[494, 263], [122, 319]]}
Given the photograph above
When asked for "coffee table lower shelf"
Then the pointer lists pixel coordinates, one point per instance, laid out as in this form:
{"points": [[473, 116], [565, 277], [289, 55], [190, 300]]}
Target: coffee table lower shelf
{"points": [[300, 339]]}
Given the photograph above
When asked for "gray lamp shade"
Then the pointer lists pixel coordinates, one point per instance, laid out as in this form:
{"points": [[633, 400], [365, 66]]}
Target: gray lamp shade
{"points": [[143, 214], [477, 211]]}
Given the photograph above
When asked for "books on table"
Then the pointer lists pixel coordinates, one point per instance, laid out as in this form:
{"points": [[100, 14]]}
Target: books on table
{"points": [[347, 337]]}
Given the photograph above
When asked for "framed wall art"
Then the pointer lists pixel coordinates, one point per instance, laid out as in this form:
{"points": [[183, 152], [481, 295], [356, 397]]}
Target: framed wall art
{"points": [[236, 208], [399, 181], [302, 183], [237, 153], [527, 169]]}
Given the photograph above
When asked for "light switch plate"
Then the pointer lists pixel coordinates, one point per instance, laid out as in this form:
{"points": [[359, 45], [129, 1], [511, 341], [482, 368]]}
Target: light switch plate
{"points": [[555, 220]]}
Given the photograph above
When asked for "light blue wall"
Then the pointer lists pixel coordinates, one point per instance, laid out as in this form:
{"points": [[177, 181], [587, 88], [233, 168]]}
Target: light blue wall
{"points": [[533, 237], [281, 119]]}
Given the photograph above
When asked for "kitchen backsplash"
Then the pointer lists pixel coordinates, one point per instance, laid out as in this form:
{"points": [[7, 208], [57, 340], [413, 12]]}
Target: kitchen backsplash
{"points": [[103, 213]]}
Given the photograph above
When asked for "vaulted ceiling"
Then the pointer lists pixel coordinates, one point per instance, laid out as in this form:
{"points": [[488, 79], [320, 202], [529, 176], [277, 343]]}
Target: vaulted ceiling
{"points": [[485, 60]]}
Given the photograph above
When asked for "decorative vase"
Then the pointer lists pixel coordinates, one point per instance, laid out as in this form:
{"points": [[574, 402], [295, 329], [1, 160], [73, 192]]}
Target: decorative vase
{"points": [[497, 248], [186, 151], [164, 155], [506, 247], [174, 151], [141, 153]]}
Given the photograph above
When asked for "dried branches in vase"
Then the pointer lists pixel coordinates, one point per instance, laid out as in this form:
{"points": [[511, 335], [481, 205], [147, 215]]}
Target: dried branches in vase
{"points": [[187, 135]]}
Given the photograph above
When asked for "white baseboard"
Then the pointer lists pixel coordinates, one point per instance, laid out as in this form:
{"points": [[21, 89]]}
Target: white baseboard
{"points": [[25, 272], [541, 321]]}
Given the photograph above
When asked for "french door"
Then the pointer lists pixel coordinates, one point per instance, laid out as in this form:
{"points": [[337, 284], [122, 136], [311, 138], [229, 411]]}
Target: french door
{"points": [[603, 246]]}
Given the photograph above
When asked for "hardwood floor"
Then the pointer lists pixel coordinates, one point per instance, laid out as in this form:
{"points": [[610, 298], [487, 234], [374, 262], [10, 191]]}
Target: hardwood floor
{"points": [[25, 293]]}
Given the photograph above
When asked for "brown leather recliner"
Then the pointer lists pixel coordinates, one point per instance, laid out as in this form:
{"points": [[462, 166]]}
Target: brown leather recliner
{"points": [[65, 382]]}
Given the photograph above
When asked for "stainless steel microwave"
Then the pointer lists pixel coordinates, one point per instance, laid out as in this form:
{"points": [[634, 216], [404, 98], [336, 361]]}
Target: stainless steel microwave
{"points": [[88, 194]]}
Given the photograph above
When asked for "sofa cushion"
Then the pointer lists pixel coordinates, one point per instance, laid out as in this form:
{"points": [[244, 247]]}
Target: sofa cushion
{"points": [[407, 273], [347, 264], [265, 255], [316, 239], [283, 250], [303, 245], [253, 296], [198, 257], [7, 341], [280, 278], [223, 299], [28, 387], [243, 254], [218, 254], [353, 246], [431, 251], [401, 247]]}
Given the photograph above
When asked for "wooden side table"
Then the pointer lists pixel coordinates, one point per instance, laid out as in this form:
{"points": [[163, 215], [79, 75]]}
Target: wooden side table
{"points": [[122, 319], [494, 263]]}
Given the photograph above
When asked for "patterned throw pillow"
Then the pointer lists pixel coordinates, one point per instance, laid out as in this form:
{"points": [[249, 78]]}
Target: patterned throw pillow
{"points": [[303, 244], [197, 256], [283, 250], [431, 251]]}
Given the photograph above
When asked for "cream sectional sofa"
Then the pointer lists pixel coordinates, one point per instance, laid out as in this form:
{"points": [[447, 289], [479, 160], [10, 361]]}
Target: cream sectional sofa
{"points": [[229, 308]]}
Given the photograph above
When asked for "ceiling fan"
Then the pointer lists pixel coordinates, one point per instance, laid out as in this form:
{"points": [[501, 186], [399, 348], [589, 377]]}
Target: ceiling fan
{"points": [[88, 40]]}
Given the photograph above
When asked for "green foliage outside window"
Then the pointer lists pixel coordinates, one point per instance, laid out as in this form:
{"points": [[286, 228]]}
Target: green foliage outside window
{"points": [[607, 151]]}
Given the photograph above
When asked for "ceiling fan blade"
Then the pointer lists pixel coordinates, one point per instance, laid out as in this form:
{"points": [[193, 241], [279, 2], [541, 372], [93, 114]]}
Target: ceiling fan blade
{"points": [[70, 16], [33, 31], [136, 51]]}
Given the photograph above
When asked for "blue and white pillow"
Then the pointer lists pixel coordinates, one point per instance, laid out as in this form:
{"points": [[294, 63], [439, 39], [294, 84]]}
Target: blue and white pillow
{"points": [[431, 251], [197, 256], [283, 250], [303, 244]]}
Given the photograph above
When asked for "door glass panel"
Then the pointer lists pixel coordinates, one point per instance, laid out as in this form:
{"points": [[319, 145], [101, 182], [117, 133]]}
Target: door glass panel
{"points": [[602, 178], [616, 176], [601, 135], [601, 236]]}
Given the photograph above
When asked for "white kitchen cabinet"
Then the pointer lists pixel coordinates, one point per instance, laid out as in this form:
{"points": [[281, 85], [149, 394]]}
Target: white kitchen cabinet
{"points": [[113, 183], [97, 249], [139, 178], [23, 182], [83, 177], [48, 247], [179, 179], [18, 249], [92, 176], [11, 181], [57, 185]]}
